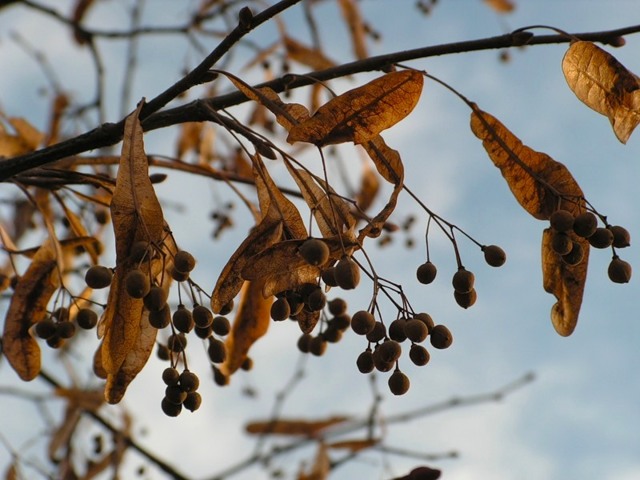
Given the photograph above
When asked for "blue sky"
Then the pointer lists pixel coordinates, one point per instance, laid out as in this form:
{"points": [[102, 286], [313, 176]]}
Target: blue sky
{"points": [[580, 417]]}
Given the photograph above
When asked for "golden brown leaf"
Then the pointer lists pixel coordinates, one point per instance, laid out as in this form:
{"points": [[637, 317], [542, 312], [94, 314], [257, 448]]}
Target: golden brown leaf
{"points": [[321, 465], [251, 322], [501, 6], [302, 427], [29, 306], [26, 139], [604, 85], [189, 139], [361, 114], [565, 282], [354, 445], [311, 57], [136, 215], [351, 14], [369, 188], [89, 400], [539, 183]]}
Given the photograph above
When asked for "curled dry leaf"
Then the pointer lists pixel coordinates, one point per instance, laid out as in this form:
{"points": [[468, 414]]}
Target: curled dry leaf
{"points": [[311, 57], [604, 85], [566, 282], [539, 183], [29, 306], [359, 115], [369, 188], [298, 427], [251, 322]]}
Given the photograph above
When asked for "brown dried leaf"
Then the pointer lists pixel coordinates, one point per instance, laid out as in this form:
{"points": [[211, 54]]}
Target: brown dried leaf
{"points": [[251, 322], [501, 6], [61, 437], [321, 465], [88, 400], [351, 14], [302, 427], [539, 183], [311, 57], [26, 139], [369, 188], [58, 107], [29, 306], [604, 85], [189, 139], [565, 282], [307, 321], [361, 114], [136, 215], [354, 445], [79, 230]]}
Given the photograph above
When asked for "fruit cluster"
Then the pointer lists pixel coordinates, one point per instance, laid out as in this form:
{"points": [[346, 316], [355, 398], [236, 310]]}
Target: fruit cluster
{"points": [[181, 391]]}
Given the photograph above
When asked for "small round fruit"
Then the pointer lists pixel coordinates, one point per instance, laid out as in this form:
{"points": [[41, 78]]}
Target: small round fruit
{"points": [[46, 328], [86, 318], [247, 364], [463, 280], [575, 256], [280, 309], [178, 276], [378, 333], [139, 251], [156, 299], [192, 402], [388, 352], [202, 316], [203, 333], [426, 273], [216, 350], [137, 283], [221, 325], [619, 271], [337, 306], [183, 319], [66, 329], [426, 318], [396, 330], [332, 335], [466, 299], [494, 255], [341, 322], [177, 342], [184, 262], [304, 342], [218, 377], [329, 277], [362, 322], [601, 238], [55, 341], [317, 346], [585, 224], [189, 381], [226, 309], [416, 330], [316, 300], [441, 337], [561, 243], [170, 409], [399, 383], [621, 236], [561, 220], [347, 273], [364, 362], [161, 318], [170, 376], [98, 276], [162, 352], [419, 355], [175, 394], [314, 251]]}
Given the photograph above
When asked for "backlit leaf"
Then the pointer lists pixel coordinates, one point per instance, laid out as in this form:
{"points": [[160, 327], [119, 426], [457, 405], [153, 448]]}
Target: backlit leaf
{"points": [[357, 29], [251, 322], [539, 183], [354, 445], [29, 306], [311, 57], [501, 6], [282, 426], [361, 114], [369, 188], [604, 85], [565, 282]]}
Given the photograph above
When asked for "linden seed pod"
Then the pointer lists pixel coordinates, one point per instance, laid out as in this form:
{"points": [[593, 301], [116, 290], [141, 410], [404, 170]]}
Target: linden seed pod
{"points": [[247, 364], [337, 306], [601, 238], [296, 303], [179, 276], [218, 377], [426, 318], [61, 314], [362, 322], [396, 330], [585, 224], [388, 351], [364, 362], [314, 251], [192, 402], [170, 409], [347, 273], [139, 251], [561, 243], [561, 220], [280, 309], [380, 363], [463, 280], [101, 216], [202, 316], [189, 381], [377, 334], [441, 337], [217, 351], [304, 342], [137, 283], [316, 300], [466, 299], [161, 318], [86, 318], [332, 334], [45, 328], [416, 330], [329, 277], [341, 322], [170, 376], [221, 325], [162, 352], [419, 355], [621, 236], [184, 262], [55, 341], [426, 273], [203, 333], [66, 329], [399, 383], [175, 394], [317, 346], [494, 255], [575, 256], [156, 299], [182, 319], [619, 271], [177, 342], [98, 276], [226, 309]]}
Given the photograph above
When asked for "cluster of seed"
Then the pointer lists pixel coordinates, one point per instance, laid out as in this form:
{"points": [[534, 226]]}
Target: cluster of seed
{"points": [[384, 348], [565, 225], [463, 280], [181, 391], [332, 331]]}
